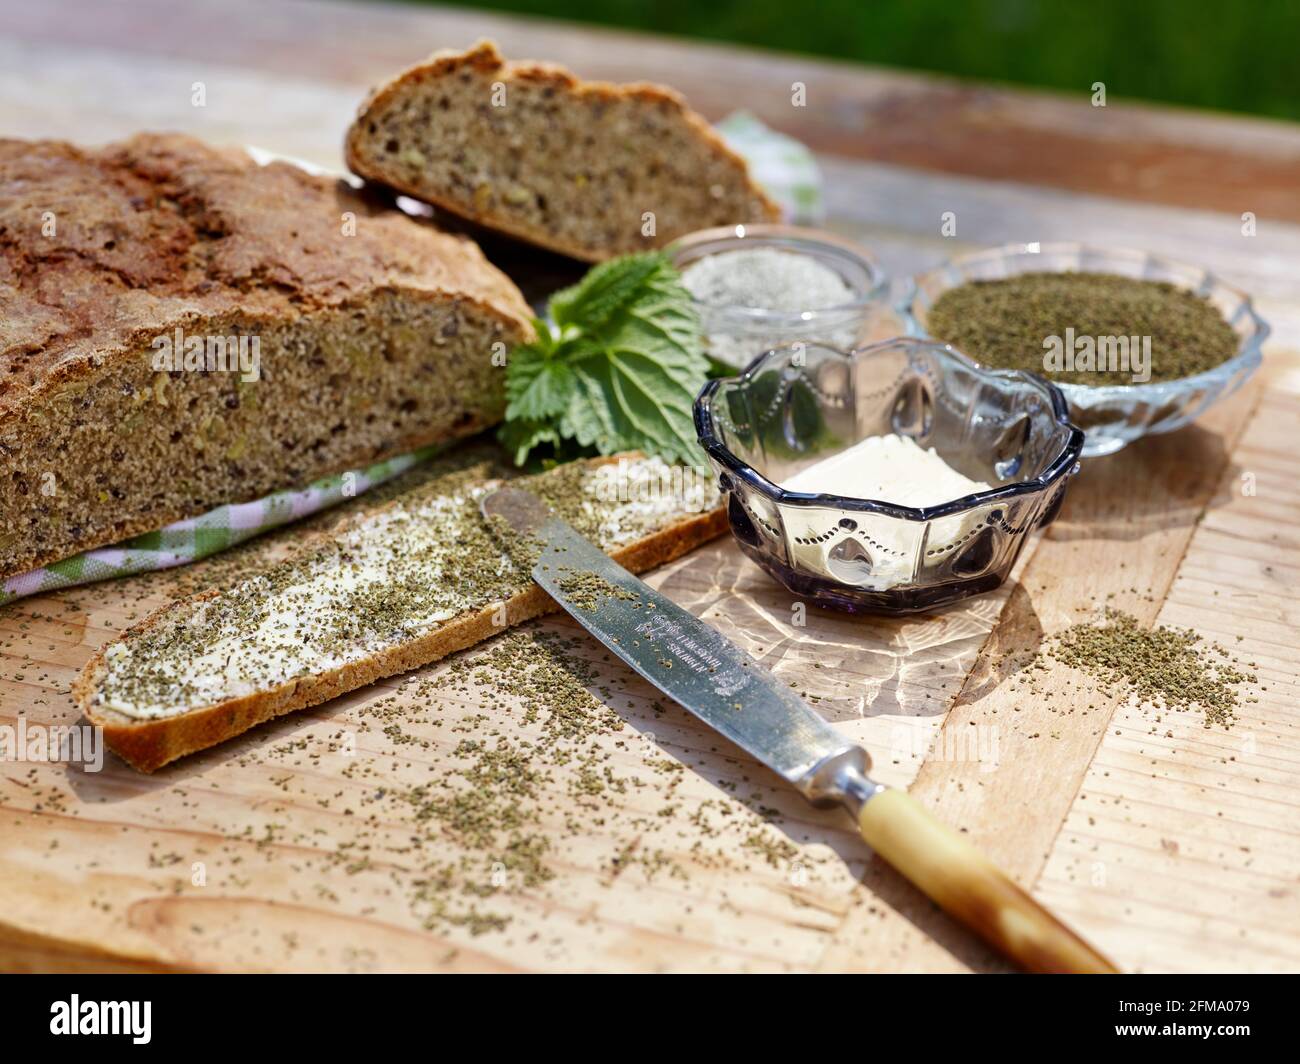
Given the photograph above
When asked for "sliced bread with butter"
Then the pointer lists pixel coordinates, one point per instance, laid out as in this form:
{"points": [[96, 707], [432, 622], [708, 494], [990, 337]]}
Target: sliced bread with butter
{"points": [[586, 168], [183, 328], [387, 591]]}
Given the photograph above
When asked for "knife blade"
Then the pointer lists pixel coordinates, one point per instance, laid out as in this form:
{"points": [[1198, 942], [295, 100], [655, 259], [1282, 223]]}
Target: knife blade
{"points": [[684, 658], [735, 695]]}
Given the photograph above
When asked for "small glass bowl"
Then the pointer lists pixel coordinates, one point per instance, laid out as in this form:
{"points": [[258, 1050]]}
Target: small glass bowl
{"points": [[796, 405], [734, 335], [1111, 415]]}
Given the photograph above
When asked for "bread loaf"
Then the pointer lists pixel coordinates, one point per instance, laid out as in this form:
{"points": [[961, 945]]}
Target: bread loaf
{"points": [[386, 592], [590, 169], [183, 328]]}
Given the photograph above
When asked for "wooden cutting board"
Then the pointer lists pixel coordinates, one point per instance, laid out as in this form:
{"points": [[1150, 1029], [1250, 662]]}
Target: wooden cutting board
{"points": [[349, 836], [662, 846]]}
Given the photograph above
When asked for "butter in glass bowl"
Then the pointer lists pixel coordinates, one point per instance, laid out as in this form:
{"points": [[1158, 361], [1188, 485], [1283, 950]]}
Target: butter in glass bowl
{"points": [[1004, 433]]}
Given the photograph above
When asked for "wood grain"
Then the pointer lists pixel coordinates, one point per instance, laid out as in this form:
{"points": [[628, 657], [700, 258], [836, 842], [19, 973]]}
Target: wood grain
{"points": [[745, 875], [1141, 153], [1118, 542], [1194, 834]]}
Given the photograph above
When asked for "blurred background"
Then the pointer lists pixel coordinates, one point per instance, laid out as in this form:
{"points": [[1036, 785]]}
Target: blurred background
{"points": [[1229, 55]]}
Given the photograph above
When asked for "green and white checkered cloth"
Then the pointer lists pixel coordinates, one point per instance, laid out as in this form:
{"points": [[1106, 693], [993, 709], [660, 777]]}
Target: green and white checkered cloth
{"points": [[197, 537], [781, 165]]}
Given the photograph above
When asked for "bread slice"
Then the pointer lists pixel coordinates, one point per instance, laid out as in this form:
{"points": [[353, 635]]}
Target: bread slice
{"points": [[183, 328], [386, 592], [586, 168]]}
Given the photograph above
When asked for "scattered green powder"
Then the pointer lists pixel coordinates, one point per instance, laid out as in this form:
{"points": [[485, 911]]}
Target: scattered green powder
{"points": [[1167, 667], [777, 852], [1003, 323], [490, 799], [496, 774], [587, 590], [488, 812]]}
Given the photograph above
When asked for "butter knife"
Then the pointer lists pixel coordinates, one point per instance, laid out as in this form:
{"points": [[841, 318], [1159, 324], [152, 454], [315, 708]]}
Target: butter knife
{"points": [[736, 696]]}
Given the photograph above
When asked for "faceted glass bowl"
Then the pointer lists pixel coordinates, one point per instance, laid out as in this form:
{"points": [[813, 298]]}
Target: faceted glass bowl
{"points": [[796, 405], [1111, 415], [735, 335]]}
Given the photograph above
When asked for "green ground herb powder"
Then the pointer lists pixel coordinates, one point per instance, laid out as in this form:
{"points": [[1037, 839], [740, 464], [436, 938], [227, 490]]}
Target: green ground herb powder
{"points": [[1169, 668], [588, 590], [1004, 323]]}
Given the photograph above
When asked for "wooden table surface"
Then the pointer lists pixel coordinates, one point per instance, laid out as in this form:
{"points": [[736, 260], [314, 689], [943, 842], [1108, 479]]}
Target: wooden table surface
{"points": [[1171, 846]]}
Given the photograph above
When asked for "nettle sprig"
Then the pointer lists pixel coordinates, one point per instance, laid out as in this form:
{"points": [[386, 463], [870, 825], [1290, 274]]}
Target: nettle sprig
{"points": [[616, 368]]}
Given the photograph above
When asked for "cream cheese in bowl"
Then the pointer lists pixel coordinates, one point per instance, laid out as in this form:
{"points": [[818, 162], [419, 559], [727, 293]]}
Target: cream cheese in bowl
{"points": [[890, 468], [893, 478]]}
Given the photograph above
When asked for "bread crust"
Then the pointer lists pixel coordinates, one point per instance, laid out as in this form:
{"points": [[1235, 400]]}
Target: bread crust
{"points": [[169, 234], [170, 231], [148, 745], [485, 57]]}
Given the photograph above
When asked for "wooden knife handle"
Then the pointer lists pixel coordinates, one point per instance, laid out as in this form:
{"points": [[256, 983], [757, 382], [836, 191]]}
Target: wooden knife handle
{"points": [[967, 885]]}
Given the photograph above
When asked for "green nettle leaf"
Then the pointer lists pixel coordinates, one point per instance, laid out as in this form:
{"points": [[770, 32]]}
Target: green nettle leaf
{"points": [[606, 290], [620, 371], [520, 437], [538, 384]]}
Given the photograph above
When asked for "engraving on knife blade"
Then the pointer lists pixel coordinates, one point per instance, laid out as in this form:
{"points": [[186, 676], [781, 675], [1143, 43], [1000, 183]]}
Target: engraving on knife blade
{"points": [[691, 653]]}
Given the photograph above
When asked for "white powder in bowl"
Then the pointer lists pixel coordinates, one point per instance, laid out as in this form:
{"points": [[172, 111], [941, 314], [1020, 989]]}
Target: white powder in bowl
{"points": [[766, 279], [769, 279]]}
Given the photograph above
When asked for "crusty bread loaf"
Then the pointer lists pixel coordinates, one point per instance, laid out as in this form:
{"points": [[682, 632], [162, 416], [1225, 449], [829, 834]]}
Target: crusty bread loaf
{"points": [[183, 328], [387, 591], [590, 169]]}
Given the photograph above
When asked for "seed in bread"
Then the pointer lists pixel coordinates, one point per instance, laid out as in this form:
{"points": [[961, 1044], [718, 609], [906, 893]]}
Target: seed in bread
{"points": [[389, 591], [138, 282], [589, 169]]}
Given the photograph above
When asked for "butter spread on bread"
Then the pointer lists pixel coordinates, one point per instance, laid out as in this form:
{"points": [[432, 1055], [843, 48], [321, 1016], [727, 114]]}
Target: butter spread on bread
{"points": [[387, 592]]}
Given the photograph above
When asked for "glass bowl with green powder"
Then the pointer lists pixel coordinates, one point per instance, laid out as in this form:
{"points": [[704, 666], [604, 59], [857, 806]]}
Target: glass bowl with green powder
{"points": [[894, 478], [757, 287], [1139, 344]]}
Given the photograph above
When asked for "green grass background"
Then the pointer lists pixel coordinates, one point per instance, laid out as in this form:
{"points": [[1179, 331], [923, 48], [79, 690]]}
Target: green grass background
{"points": [[1220, 54]]}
